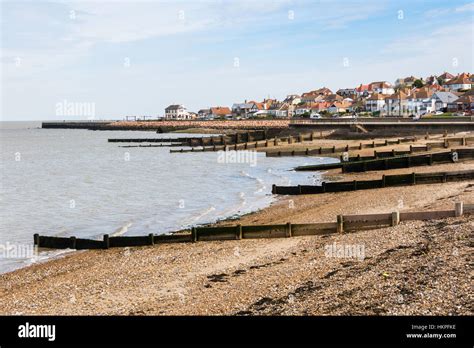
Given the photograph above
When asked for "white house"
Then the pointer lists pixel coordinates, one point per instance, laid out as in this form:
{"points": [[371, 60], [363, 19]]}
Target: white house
{"points": [[177, 112], [396, 104], [382, 87], [244, 109], [278, 110], [461, 82], [442, 99], [292, 99], [375, 102]]}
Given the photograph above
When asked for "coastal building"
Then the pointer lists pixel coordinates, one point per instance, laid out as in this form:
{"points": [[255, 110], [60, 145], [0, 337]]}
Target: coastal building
{"points": [[421, 101], [304, 108], [363, 91], [463, 103], [443, 99], [375, 102], [292, 99], [406, 81], [203, 113], [396, 104], [244, 109], [278, 110], [445, 77], [381, 87], [313, 95], [177, 112], [220, 112], [346, 92], [340, 107], [461, 82]]}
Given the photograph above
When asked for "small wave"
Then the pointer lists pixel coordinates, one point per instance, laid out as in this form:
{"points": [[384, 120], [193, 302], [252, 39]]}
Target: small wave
{"points": [[207, 211], [121, 230]]}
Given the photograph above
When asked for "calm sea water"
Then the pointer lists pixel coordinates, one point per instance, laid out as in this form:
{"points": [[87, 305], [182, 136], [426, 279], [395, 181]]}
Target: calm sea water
{"points": [[74, 183]]}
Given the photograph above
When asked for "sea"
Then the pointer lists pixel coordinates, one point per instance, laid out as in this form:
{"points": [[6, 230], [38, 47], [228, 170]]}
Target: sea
{"points": [[73, 182]]}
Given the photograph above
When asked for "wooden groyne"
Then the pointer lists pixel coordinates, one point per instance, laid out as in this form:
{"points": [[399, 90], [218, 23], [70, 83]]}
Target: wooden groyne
{"points": [[292, 140], [385, 181], [428, 159], [343, 223], [334, 149], [446, 143], [236, 138], [244, 145]]}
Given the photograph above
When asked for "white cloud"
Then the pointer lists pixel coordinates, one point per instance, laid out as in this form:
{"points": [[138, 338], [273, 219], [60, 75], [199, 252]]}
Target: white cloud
{"points": [[464, 8]]}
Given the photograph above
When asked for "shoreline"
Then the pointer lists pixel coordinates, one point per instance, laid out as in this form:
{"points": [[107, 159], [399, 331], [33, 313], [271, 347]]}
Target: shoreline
{"points": [[401, 268], [261, 277]]}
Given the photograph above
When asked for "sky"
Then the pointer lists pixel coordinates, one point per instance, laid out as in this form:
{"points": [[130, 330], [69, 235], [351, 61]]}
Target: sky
{"points": [[137, 57]]}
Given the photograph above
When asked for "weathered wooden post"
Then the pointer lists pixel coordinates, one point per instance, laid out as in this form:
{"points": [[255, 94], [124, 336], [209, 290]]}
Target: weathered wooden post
{"points": [[413, 178], [360, 146], [151, 239], [274, 189], [340, 224], [194, 236], [238, 231], [36, 239], [395, 218], [383, 180], [72, 243], [334, 149], [458, 209], [288, 232], [106, 241]]}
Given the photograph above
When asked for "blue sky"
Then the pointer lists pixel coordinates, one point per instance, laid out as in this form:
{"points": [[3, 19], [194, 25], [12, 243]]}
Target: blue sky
{"points": [[135, 58]]}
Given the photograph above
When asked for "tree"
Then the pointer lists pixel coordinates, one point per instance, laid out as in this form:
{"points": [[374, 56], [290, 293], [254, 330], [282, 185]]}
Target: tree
{"points": [[418, 83]]}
